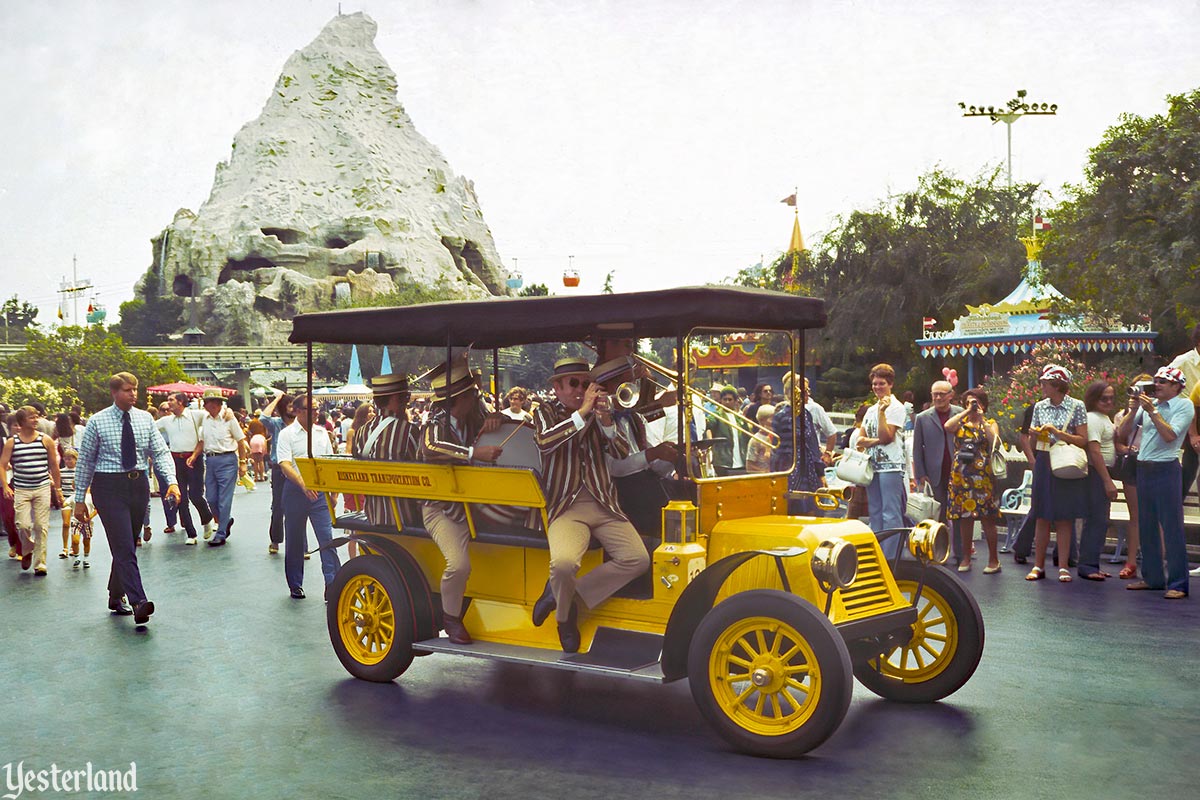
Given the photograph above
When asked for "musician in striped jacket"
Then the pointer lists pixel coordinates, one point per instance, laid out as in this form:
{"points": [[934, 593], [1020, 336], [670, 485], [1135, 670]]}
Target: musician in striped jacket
{"points": [[389, 437], [574, 434], [457, 420]]}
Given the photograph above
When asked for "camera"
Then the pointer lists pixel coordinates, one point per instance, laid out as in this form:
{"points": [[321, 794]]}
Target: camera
{"points": [[1142, 388], [967, 452]]}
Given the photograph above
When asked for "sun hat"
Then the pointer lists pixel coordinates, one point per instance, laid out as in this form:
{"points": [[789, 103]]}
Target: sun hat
{"points": [[1171, 374], [1053, 372], [214, 394], [392, 383]]}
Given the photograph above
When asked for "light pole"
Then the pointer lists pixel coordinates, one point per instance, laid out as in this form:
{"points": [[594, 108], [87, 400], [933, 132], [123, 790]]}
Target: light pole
{"points": [[1009, 113]]}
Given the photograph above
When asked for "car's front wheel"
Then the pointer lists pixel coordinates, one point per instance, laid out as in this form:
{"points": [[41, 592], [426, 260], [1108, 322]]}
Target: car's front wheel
{"points": [[946, 643], [770, 673]]}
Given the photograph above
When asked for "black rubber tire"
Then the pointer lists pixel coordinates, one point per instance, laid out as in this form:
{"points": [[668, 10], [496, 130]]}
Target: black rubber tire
{"points": [[830, 654], [400, 652], [967, 650]]}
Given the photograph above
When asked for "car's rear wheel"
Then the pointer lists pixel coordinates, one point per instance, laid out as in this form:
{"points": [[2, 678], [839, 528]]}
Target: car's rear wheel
{"points": [[369, 619], [946, 644], [770, 673]]}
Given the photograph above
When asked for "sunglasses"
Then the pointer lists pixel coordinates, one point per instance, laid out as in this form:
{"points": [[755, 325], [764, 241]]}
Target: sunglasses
{"points": [[575, 383], [1163, 380]]}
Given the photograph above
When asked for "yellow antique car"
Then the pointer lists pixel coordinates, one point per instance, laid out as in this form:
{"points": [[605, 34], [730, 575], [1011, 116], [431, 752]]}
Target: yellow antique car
{"points": [[769, 616]]}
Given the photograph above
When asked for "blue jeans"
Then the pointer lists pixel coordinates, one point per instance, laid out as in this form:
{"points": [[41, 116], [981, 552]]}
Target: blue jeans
{"points": [[886, 495], [220, 478], [1095, 525], [1159, 484], [277, 481], [298, 511]]}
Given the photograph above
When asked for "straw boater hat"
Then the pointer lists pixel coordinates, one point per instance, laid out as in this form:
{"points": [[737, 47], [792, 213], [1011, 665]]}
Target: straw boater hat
{"points": [[571, 365], [392, 383], [214, 394], [461, 378], [614, 368]]}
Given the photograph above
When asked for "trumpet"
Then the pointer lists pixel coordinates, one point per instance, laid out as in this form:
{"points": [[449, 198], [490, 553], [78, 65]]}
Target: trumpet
{"points": [[629, 396]]}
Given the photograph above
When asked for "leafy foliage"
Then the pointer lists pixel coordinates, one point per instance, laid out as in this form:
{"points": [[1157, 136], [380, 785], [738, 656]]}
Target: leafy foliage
{"points": [[1126, 243], [1011, 392], [81, 360], [17, 392]]}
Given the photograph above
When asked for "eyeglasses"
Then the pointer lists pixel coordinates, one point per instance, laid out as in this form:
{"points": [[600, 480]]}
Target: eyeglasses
{"points": [[1163, 380], [575, 383]]}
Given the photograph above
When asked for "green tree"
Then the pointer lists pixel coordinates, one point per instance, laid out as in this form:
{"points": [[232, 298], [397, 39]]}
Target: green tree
{"points": [[1126, 243], [148, 319], [81, 360], [19, 316], [535, 290], [924, 253]]}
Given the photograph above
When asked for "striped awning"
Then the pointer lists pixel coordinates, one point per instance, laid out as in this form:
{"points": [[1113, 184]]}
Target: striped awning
{"points": [[1100, 342]]}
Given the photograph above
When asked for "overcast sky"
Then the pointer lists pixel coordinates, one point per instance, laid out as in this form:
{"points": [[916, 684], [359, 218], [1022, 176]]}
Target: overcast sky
{"points": [[651, 137]]}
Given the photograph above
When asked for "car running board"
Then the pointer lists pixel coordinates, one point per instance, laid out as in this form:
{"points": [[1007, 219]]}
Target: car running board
{"points": [[619, 653]]}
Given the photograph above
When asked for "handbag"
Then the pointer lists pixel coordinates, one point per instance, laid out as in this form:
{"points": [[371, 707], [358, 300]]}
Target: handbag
{"points": [[921, 505], [855, 467], [1125, 467], [1068, 461], [997, 463]]}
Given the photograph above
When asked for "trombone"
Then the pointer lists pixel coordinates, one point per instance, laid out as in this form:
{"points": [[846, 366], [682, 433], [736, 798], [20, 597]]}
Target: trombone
{"points": [[629, 396]]}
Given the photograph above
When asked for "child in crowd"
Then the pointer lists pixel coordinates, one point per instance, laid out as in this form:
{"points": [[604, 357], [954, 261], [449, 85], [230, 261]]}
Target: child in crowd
{"points": [[66, 469], [758, 455]]}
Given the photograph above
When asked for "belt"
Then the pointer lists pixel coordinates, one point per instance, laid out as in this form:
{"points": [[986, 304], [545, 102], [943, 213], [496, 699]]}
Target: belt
{"points": [[222, 453], [188, 454], [132, 474]]}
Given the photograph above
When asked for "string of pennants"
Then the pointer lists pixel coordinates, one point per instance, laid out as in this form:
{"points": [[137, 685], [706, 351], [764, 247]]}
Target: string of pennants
{"points": [[1143, 344]]}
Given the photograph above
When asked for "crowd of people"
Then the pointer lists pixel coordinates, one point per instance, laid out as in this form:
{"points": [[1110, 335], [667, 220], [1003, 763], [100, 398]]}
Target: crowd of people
{"points": [[603, 467]]}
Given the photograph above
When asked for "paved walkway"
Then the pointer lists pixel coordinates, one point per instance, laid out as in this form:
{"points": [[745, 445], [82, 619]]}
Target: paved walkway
{"points": [[233, 691]]}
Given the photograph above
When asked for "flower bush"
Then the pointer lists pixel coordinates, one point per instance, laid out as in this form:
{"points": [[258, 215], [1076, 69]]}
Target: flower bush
{"points": [[1009, 393]]}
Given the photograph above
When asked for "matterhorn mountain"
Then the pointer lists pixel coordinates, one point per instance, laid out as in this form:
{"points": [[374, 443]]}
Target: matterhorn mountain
{"points": [[331, 195]]}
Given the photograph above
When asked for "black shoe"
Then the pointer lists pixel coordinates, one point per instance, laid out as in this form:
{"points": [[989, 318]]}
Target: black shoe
{"points": [[141, 614], [229, 528], [568, 632], [1020, 559], [216, 541], [298, 593], [544, 606], [117, 605]]}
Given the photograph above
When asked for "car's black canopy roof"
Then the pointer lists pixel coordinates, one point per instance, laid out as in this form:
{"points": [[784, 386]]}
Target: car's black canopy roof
{"points": [[502, 322]]}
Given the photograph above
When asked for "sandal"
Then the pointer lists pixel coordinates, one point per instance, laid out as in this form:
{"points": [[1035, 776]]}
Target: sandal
{"points": [[1127, 572], [1095, 576], [1064, 575], [1036, 574], [1174, 594], [1139, 585], [991, 570]]}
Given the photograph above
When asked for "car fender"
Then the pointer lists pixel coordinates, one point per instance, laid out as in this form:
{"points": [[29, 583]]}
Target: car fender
{"points": [[697, 600]]}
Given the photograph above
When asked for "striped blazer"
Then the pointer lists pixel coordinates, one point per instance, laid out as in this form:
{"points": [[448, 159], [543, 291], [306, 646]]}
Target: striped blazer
{"points": [[442, 444], [573, 458], [400, 441]]}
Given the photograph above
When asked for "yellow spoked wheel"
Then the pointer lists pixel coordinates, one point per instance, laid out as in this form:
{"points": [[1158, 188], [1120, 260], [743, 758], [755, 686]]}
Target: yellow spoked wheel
{"points": [[370, 619], [770, 673], [946, 643], [366, 619]]}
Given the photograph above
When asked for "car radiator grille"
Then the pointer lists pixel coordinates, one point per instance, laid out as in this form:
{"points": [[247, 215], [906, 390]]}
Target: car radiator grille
{"points": [[869, 592]]}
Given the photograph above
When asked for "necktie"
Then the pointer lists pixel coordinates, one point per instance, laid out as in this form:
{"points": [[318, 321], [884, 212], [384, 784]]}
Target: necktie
{"points": [[128, 447]]}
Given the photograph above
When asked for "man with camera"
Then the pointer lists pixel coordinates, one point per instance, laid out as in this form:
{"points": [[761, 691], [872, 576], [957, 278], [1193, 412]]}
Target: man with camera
{"points": [[1165, 418]]}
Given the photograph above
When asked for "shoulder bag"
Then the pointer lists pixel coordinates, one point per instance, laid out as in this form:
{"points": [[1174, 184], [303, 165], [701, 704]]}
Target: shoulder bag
{"points": [[1068, 461], [855, 467], [997, 463]]}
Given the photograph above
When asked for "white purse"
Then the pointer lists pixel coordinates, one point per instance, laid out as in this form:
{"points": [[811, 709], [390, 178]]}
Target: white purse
{"points": [[921, 505], [998, 463], [855, 467], [1068, 461]]}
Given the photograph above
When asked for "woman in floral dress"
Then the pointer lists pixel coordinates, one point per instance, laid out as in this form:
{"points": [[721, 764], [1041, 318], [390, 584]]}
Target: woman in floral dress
{"points": [[971, 494]]}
